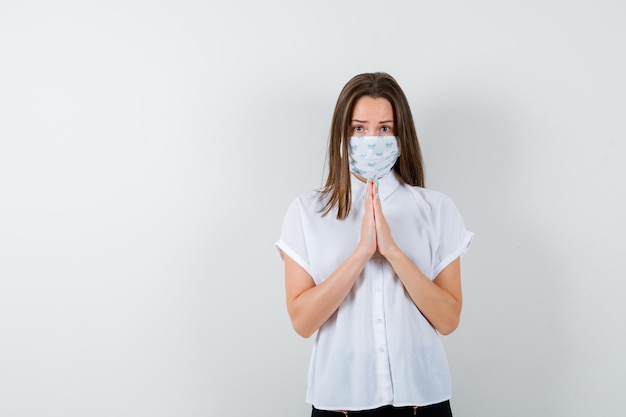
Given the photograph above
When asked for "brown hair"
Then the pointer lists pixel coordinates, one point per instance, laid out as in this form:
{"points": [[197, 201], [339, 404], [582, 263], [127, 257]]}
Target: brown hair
{"points": [[408, 168]]}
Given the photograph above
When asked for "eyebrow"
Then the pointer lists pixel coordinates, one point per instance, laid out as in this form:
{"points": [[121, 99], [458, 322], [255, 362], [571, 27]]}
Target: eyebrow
{"points": [[365, 121]]}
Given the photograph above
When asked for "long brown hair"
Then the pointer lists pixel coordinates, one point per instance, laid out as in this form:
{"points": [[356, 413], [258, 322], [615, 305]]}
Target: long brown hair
{"points": [[408, 168]]}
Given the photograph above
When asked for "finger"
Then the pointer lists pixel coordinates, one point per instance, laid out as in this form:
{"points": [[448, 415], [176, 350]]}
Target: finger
{"points": [[376, 189], [375, 195], [376, 198], [371, 189]]}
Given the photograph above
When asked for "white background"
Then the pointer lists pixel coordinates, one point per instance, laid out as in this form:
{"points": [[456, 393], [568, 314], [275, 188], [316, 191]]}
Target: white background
{"points": [[149, 149]]}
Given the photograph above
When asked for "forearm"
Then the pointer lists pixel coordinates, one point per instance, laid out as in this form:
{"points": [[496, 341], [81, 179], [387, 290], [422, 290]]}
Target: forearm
{"points": [[313, 307], [439, 306]]}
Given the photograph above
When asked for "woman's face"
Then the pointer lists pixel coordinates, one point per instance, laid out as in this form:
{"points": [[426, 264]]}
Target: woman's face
{"points": [[372, 117]]}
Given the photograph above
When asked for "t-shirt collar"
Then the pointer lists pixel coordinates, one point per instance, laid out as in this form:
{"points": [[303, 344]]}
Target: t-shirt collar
{"points": [[387, 184]]}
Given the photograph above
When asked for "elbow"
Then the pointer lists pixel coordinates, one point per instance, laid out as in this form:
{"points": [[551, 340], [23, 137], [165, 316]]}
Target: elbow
{"points": [[302, 329], [304, 333], [448, 327], [301, 322]]}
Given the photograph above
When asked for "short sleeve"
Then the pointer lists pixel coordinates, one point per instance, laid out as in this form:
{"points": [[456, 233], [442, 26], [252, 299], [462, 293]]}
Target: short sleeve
{"points": [[292, 240], [454, 238]]}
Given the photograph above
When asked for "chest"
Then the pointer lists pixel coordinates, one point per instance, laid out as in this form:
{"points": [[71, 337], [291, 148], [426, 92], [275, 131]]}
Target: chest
{"points": [[330, 241]]}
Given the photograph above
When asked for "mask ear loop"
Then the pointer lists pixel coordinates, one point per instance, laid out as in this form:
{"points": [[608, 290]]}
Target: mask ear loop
{"points": [[345, 143], [344, 147], [397, 146]]}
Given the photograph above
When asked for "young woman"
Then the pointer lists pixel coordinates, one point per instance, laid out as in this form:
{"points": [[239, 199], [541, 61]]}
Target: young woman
{"points": [[372, 264]]}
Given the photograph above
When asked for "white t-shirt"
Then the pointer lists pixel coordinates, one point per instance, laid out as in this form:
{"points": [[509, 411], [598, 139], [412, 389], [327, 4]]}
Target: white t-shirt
{"points": [[377, 348]]}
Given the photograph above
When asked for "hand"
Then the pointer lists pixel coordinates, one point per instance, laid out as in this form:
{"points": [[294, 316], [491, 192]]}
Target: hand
{"points": [[367, 243], [384, 240]]}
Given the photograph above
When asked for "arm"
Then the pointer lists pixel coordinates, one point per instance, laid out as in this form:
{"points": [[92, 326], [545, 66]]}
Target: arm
{"points": [[440, 300], [310, 305]]}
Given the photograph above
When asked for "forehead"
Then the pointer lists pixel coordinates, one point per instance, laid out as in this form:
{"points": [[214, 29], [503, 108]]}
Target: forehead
{"points": [[372, 109]]}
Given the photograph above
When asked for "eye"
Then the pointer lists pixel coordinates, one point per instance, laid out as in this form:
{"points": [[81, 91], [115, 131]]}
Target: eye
{"points": [[358, 129], [385, 129]]}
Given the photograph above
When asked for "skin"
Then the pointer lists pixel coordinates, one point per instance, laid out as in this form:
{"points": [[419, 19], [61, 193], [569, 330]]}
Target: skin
{"points": [[310, 305]]}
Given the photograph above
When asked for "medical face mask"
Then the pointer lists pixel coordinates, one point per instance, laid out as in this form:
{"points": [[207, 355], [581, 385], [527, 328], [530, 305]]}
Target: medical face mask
{"points": [[373, 156]]}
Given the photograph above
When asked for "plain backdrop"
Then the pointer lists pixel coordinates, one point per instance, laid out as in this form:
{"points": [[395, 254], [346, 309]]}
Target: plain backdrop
{"points": [[149, 150]]}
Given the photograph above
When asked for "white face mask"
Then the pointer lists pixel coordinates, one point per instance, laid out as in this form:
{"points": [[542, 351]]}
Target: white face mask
{"points": [[373, 156]]}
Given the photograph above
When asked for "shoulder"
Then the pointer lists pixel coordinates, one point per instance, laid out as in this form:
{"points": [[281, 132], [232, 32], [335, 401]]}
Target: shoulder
{"points": [[307, 204], [430, 198], [311, 200]]}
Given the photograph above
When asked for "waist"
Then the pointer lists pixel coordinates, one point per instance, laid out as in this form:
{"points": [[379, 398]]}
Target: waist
{"points": [[381, 411]]}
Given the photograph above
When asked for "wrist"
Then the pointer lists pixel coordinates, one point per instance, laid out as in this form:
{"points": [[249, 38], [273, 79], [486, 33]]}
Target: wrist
{"points": [[363, 253], [392, 253]]}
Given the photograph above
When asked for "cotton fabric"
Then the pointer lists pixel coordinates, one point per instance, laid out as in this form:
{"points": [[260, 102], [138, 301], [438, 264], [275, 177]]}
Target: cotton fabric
{"points": [[373, 156], [377, 349]]}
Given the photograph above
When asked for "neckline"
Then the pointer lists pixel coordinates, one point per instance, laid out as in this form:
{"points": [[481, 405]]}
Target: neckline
{"points": [[387, 184]]}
